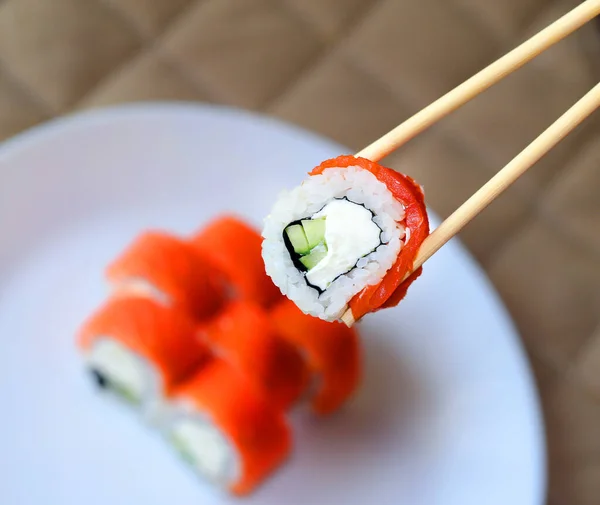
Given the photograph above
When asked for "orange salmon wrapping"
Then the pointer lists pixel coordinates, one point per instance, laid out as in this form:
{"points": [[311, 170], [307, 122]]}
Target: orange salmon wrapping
{"points": [[332, 351], [163, 336], [234, 248], [244, 335], [259, 432], [171, 272]]}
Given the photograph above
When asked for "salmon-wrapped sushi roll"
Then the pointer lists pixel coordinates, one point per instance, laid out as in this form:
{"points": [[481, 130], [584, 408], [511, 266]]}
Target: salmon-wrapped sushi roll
{"points": [[342, 244], [332, 351], [228, 433], [169, 270], [234, 247], [141, 350], [244, 335]]}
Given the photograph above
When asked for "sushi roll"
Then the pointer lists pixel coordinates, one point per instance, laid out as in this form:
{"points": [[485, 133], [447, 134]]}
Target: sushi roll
{"points": [[230, 436], [140, 350], [332, 351], [168, 270], [234, 248], [341, 244], [243, 335]]}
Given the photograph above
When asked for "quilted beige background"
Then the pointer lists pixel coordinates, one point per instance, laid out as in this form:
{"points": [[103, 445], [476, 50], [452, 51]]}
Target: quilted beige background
{"points": [[353, 69]]}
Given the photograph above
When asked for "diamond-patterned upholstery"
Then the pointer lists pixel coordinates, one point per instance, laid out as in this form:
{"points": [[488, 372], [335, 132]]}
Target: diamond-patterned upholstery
{"points": [[351, 70]]}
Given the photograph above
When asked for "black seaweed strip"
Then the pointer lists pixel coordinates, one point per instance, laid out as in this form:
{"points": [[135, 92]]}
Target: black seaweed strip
{"points": [[295, 257], [99, 379]]}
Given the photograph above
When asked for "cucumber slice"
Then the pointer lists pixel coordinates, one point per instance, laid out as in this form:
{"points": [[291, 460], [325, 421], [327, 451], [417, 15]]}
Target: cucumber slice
{"points": [[297, 238], [314, 257], [183, 451], [315, 231], [126, 394]]}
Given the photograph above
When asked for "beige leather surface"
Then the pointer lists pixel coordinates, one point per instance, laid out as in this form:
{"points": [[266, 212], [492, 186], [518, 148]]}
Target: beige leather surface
{"points": [[353, 69]]}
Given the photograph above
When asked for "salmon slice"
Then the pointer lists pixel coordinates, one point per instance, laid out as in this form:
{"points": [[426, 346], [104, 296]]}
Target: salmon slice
{"points": [[170, 271], [230, 434], [135, 330], [234, 247], [244, 335], [332, 351]]}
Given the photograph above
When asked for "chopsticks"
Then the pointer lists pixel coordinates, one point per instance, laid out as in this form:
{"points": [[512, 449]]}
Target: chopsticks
{"points": [[518, 165], [509, 174], [481, 81]]}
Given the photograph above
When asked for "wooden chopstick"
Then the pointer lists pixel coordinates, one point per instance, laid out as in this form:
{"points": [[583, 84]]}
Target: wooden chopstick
{"points": [[482, 80], [509, 174], [503, 179], [466, 91]]}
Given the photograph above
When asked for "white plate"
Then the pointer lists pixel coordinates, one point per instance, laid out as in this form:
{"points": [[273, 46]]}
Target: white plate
{"points": [[447, 415]]}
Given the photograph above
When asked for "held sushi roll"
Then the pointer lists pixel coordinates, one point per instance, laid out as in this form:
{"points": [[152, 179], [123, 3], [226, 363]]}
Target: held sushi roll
{"points": [[331, 349], [234, 248], [229, 434], [168, 270], [346, 238], [244, 336], [140, 350]]}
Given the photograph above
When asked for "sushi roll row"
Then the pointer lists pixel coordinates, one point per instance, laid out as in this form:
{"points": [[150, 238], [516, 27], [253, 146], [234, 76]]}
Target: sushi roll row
{"points": [[199, 275], [196, 337], [342, 243]]}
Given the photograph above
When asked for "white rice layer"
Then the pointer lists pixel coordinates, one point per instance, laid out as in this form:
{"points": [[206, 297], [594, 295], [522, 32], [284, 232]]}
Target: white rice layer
{"points": [[138, 286], [204, 445], [358, 186], [127, 371]]}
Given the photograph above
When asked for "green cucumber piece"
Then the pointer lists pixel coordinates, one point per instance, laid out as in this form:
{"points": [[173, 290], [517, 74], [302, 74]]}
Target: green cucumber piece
{"points": [[314, 257], [126, 394], [315, 231], [182, 450], [298, 239]]}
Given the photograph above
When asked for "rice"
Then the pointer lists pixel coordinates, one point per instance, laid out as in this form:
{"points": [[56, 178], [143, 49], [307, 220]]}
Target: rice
{"points": [[123, 368], [194, 433], [138, 286], [359, 186]]}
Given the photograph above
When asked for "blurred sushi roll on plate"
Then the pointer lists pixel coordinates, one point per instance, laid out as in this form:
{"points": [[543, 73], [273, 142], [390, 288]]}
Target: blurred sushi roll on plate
{"points": [[345, 238], [233, 247], [243, 335], [167, 269], [231, 436], [140, 351], [332, 352]]}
